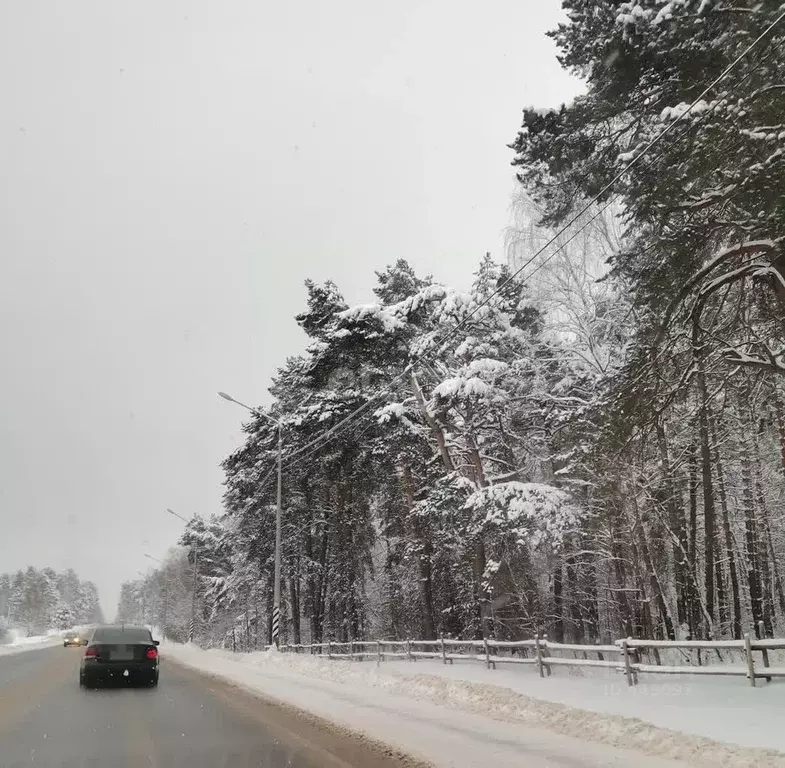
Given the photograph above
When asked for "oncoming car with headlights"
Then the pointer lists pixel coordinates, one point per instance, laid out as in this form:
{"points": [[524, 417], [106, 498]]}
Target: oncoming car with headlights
{"points": [[120, 654], [72, 638]]}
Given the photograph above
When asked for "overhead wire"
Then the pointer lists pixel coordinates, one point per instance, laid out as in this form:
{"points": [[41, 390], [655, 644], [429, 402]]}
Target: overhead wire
{"points": [[312, 447], [636, 159]]}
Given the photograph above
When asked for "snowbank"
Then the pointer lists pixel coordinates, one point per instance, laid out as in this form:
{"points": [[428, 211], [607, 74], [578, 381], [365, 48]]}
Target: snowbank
{"points": [[465, 715], [724, 709], [19, 643]]}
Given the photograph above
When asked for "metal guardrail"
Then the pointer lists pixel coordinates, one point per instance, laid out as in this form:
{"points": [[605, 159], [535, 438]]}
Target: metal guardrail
{"points": [[539, 652]]}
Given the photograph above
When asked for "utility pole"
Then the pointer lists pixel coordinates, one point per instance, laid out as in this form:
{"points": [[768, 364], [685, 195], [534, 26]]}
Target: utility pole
{"points": [[277, 576], [278, 512]]}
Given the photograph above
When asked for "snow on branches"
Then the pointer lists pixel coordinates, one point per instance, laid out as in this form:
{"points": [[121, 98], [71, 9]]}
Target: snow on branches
{"points": [[534, 513]]}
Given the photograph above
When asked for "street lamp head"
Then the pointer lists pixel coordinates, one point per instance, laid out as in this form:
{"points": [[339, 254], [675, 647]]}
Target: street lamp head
{"points": [[242, 405], [180, 517]]}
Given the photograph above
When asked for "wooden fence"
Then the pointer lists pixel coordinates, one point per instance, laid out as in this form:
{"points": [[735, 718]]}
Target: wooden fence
{"points": [[624, 656]]}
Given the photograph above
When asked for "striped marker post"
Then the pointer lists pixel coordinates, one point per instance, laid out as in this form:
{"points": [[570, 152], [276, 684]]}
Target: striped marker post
{"points": [[276, 624]]}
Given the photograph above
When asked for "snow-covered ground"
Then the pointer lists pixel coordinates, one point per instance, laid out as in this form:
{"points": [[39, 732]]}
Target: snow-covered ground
{"points": [[465, 715], [19, 643], [723, 708]]}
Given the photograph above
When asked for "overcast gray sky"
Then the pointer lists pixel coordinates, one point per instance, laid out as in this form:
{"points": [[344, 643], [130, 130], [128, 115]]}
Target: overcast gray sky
{"points": [[171, 172]]}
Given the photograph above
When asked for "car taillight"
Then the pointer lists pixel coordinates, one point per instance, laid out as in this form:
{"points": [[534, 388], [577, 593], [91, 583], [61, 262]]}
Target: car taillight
{"points": [[152, 653], [91, 653]]}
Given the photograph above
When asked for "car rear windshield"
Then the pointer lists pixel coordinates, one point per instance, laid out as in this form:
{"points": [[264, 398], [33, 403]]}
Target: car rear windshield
{"points": [[121, 636]]}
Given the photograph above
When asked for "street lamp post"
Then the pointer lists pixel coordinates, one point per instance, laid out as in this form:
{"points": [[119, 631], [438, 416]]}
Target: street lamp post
{"points": [[195, 550], [277, 572]]}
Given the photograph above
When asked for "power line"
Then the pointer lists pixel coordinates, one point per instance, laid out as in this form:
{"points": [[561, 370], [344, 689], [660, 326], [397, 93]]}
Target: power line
{"points": [[317, 443], [656, 140]]}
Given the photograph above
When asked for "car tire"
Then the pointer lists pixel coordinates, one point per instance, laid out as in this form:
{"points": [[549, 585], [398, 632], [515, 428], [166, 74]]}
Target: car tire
{"points": [[154, 682]]}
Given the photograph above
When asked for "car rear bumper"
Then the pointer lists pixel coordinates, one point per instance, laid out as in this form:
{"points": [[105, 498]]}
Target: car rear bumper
{"points": [[120, 671]]}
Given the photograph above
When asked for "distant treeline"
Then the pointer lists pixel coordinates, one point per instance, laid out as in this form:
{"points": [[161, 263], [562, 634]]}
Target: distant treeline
{"points": [[36, 600]]}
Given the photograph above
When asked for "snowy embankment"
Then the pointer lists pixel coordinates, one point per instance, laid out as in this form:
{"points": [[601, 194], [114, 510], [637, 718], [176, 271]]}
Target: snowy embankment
{"points": [[464, 715], [19, 643]]}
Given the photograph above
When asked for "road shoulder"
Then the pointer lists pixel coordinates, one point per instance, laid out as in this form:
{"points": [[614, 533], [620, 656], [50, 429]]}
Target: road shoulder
{"points": [[442, 735], [323, 741]]}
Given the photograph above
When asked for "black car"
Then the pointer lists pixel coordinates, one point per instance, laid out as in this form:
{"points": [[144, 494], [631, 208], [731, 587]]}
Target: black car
{"points": [[121, 654]]}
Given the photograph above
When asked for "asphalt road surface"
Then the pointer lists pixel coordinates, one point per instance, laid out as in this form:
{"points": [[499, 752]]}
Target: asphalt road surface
{"points": [[47, 720]]}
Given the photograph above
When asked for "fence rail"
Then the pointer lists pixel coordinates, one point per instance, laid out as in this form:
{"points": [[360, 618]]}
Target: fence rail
{"points": [[625, 654]]}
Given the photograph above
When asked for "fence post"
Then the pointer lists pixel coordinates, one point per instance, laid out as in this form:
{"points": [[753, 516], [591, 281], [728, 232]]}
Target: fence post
{"points": [[329, 649], [539, 653], [488, 661], [409, 649], [444, 650], [750, 661], [764, 650], [378, 653], [546, 654], [627, 667]]}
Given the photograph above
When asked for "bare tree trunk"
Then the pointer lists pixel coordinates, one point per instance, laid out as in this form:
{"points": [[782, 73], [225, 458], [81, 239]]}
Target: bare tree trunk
{"points": [[310, 597], [655, 587], [723, 609], [295, 603], [575, 630], [676, 523], [620, 572], [480, 598], [768, 575], [709, 515], [750, 523], [320, 589], [437, 431], [424, 558], [779, 412], [641, 598], [778, 591], [483, 596], [692, 525], [592, 607], [693, 591], [727, 538], [558, 603]]}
